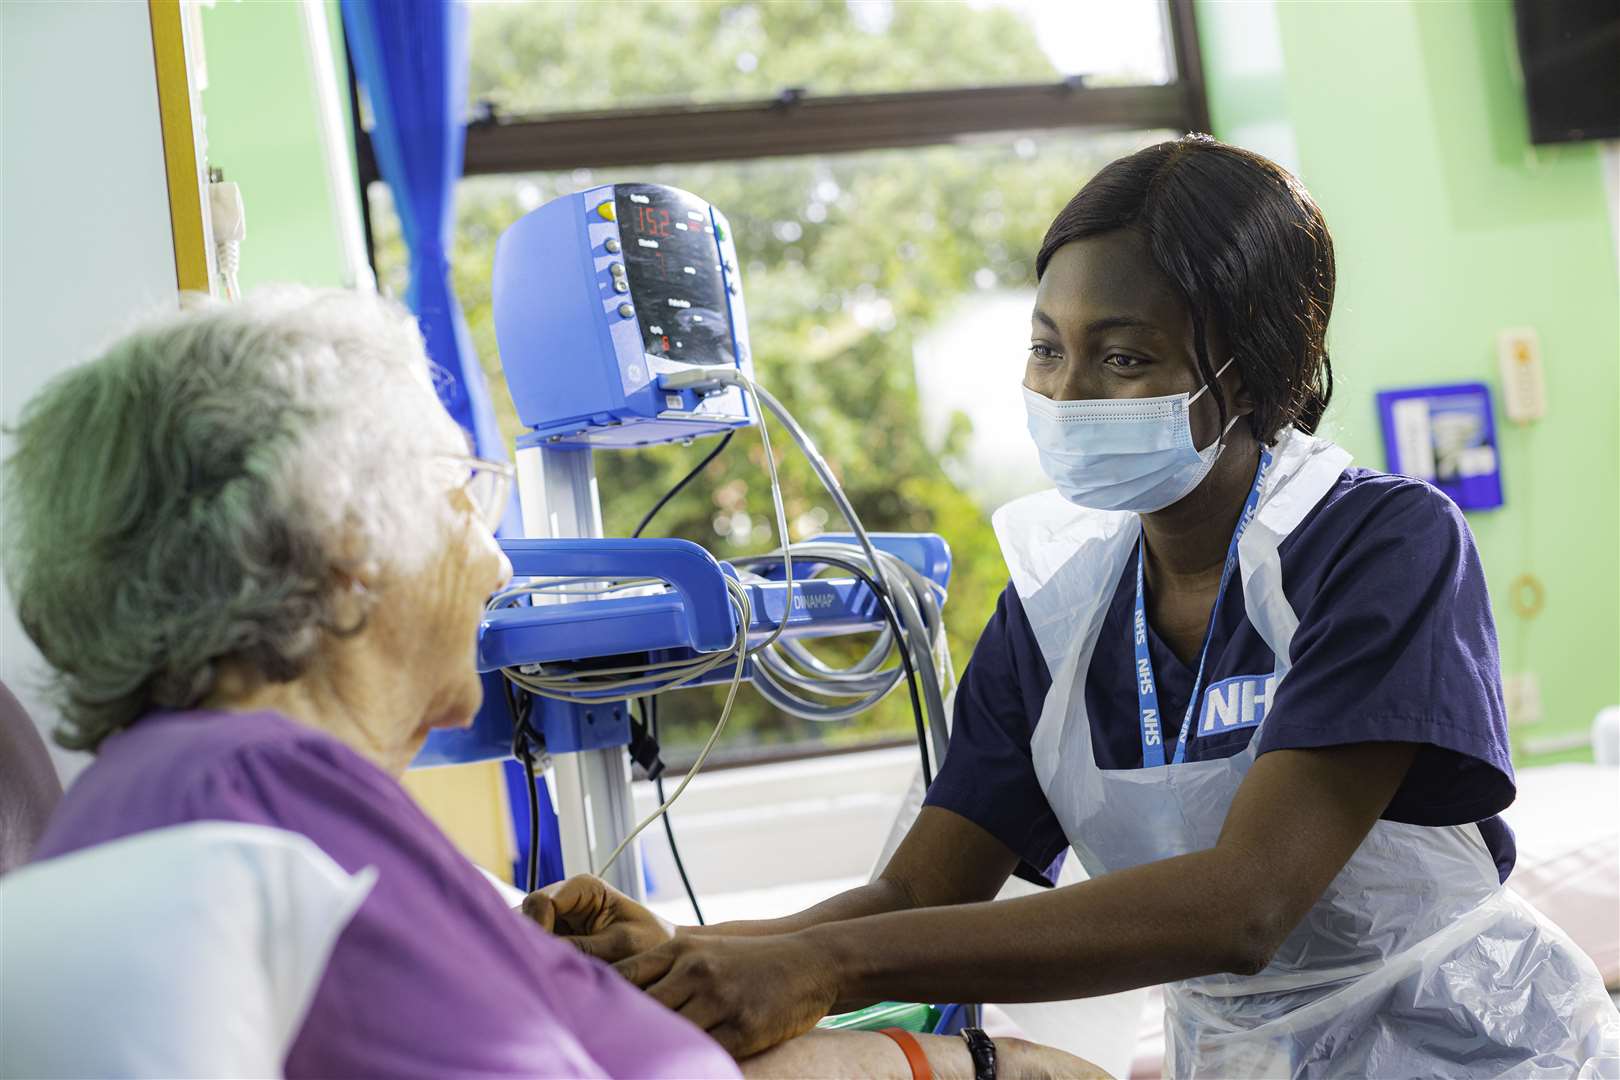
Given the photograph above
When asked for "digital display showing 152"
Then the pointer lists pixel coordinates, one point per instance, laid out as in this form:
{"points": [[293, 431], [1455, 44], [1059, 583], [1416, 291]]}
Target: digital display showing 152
{"points": [[653, 221], [672, 263]]}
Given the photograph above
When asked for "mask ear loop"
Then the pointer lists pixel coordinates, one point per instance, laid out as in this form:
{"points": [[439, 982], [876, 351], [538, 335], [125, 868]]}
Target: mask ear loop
{"points": [[1203, 389], [1220, 440]]}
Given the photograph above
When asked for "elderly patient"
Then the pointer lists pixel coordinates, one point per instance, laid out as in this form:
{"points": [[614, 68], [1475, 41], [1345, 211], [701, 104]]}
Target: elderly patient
{"points": [[255, 550]]}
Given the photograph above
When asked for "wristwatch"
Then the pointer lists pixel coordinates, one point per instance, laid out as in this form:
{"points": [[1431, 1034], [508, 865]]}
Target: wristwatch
{"points": [[984, 1053]]}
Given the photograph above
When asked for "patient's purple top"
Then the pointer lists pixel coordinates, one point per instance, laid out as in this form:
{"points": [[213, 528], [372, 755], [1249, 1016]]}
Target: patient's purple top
{"points": [[435, 976]]}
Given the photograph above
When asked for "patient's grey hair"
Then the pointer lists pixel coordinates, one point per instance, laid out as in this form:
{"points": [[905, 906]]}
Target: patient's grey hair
{"points": [[205, 489]]}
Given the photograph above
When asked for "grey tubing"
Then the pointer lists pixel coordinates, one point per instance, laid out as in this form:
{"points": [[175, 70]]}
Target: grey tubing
{"points": [[916, 607]]}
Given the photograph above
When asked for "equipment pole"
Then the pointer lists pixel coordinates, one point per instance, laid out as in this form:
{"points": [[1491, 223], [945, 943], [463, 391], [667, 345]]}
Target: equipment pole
{"points": [[594, 808]]}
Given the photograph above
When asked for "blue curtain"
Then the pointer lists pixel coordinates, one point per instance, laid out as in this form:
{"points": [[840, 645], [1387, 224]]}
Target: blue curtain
{"points": [[411, 58]]}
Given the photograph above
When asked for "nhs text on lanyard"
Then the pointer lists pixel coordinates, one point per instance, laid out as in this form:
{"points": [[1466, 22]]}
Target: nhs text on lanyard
{"points": [[1147, 691]]}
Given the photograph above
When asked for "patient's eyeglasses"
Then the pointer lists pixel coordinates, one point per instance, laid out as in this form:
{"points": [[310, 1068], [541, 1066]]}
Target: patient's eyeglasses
{"points": [[486, 484]]}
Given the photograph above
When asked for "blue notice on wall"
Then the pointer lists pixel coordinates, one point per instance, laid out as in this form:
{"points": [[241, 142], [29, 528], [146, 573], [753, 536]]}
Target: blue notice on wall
{"points": [[1447, 436]]}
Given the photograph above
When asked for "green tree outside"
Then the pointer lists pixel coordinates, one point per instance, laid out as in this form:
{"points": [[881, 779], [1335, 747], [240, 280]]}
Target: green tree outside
{"points": [[846, 261]]}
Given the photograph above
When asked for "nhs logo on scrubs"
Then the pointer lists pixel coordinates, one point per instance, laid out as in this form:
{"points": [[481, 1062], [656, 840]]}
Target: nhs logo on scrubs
{"points": [[1238, 702]]}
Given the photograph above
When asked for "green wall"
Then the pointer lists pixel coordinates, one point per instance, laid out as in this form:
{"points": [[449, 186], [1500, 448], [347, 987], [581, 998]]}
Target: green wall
{"points": [[263, 130], [1406, 122]]}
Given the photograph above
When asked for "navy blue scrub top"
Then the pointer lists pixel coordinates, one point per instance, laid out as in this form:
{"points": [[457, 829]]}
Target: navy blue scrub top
{"points": [[1395, 644]]}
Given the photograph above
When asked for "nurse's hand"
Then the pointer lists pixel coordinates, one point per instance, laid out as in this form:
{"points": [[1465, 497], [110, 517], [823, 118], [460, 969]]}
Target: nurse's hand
{"points": [[597, 918], [748, 993]]}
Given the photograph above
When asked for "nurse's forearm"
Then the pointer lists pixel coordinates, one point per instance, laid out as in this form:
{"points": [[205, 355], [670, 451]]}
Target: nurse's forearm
{"points": [[1296, 819], [1160, 922], [943, 859], [878, 898]]}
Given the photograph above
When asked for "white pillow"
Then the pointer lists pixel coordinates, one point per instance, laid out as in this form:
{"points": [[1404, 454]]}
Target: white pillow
{"points": [[187, 951]]}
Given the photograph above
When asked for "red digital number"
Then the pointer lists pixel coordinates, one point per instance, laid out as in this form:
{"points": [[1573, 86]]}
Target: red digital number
{"points": [[651, 221]]}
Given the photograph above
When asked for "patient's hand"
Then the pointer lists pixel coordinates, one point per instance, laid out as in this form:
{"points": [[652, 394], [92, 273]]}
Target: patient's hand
{"points": [[599, 919], [829, 1054]]}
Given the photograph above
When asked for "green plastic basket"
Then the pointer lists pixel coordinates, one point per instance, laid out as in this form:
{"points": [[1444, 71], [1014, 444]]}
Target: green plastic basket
{"points": [[906, 1015]]}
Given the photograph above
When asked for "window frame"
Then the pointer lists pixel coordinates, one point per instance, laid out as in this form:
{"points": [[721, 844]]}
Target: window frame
{"points": [[797, 122]]}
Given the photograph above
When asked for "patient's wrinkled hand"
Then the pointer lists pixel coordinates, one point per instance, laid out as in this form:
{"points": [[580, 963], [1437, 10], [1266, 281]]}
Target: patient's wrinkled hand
{"points": [[597, 918], [837, 1054]]}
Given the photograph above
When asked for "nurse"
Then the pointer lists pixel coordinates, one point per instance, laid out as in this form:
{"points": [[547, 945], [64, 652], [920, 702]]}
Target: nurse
{"points": [[1255, 688]]}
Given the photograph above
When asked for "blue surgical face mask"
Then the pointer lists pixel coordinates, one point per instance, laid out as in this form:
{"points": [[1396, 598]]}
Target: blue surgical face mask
{"points": [[1122, 453]]}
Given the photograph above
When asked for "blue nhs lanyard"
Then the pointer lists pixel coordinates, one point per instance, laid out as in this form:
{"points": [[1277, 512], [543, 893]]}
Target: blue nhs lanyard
{"points": [[1147, 690]]}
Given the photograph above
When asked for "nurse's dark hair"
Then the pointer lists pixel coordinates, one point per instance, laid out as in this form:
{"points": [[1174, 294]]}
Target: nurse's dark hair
{"points": [[1249, 250]]}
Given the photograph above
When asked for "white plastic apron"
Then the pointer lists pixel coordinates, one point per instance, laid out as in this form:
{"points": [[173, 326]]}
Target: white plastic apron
{"points": [[1415, 961]]}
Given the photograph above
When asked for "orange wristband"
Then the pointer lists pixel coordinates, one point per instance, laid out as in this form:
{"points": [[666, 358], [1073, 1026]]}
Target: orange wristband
{"points": [[913, 1050]]}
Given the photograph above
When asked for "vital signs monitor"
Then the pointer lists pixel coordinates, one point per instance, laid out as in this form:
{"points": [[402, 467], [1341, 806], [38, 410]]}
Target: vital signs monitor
{"points": [[600, 293]]}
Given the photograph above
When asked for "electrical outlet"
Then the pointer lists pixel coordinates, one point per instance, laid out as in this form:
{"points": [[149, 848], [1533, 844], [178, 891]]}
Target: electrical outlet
{"points": [[1522, 693], [1524, 386]]}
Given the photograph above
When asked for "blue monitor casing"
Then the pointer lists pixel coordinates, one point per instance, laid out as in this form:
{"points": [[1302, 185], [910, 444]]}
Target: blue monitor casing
{"points": [[598, 293]]}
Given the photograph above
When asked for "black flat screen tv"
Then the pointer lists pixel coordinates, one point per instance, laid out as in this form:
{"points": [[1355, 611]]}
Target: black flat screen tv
{"points": [[1570, 53]]}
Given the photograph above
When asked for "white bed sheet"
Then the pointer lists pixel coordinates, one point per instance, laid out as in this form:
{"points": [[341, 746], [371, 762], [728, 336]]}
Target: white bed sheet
{"points": [[1567, 824]]}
